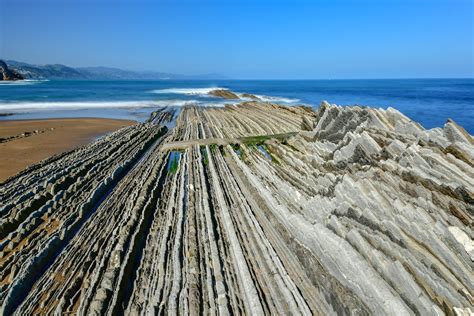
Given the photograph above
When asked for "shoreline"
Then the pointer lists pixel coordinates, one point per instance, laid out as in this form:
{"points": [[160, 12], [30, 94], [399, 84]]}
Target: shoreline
{"points": [[24, 142], [288, 188]]}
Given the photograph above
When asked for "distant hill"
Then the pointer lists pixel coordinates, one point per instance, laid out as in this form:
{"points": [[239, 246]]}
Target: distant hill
{"points": [[7, 73], [58, 71]]}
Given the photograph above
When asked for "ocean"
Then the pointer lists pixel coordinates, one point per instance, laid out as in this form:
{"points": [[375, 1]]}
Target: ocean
{"points": [[428, 101]]}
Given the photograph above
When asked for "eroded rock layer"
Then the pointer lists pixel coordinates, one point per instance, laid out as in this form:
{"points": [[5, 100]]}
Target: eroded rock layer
{"points": [[245, 119], [248, 209]]}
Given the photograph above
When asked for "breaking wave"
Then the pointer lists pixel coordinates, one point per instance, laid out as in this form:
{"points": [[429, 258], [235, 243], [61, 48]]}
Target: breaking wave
{"points": [[186, 91], [39, 106], [267, 98], [205, 92], [25, 82]]}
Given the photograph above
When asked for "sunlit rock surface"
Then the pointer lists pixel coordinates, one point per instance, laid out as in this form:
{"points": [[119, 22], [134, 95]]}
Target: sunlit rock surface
{"points": [[7, 73], [248, 209]]}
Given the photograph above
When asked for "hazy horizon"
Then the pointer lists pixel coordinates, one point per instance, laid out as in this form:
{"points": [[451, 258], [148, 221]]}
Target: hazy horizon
{"points": [[225, 77], [245, 40]]}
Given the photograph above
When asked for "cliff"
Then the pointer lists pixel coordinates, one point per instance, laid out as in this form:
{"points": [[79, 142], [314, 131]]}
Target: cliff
{"points": [[7, 73]]}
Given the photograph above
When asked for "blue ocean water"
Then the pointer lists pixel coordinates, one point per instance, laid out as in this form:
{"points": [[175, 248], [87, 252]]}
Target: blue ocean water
{"points": [[428, 101]]}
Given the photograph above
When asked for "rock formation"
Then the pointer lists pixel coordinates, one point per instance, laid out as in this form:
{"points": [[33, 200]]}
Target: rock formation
{"points": [[249, 96], [238, 210], [224, 93], [8, 74]]}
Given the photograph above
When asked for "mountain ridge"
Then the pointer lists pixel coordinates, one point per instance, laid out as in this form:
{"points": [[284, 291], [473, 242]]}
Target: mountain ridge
{"points": [[60, 71]]}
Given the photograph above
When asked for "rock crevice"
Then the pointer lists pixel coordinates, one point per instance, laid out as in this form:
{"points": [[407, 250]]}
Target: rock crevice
{"points": [[344, 210]]}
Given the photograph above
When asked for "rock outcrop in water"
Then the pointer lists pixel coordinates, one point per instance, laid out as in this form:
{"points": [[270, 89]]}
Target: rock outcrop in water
{"points": [[8, 74], [224, 93], [241, 210], [250, 96]]}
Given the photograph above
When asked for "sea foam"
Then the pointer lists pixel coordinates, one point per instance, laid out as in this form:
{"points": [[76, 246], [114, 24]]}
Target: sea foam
{"points": [[187, 91], [24, 82], [205, 92], [276, 99], [40, 106]]}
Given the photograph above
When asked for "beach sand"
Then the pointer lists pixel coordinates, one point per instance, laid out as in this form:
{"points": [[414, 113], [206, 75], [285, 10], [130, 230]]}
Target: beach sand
{"points": [[26, 142]]}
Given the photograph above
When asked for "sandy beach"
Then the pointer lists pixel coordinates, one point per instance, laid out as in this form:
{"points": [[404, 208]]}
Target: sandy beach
{"points": [[25, 142]]}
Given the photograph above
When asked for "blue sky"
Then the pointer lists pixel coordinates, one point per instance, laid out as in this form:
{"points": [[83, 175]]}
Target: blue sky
{"points": [[247, 39]]}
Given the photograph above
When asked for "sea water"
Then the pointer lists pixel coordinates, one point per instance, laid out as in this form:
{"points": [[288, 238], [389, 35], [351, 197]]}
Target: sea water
{"points": [[428, 101]]}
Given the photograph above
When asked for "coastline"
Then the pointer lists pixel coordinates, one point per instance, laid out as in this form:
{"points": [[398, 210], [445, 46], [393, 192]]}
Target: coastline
{"points": [[430, 102], [26, 142], [314, 183]]}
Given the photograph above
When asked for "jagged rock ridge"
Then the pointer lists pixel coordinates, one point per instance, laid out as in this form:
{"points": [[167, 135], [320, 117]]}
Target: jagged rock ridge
{"points": [[241, 210]]}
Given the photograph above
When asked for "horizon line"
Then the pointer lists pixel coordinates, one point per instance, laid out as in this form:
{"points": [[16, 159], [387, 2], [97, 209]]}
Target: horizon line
{"points": [[276, 79], [226, 76]]}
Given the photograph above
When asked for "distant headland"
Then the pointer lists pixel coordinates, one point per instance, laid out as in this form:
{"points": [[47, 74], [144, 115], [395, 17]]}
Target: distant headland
{"points": [[14, 70], [7, 73]]}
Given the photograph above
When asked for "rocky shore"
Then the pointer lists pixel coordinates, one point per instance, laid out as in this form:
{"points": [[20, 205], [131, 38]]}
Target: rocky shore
{"points": [[227, 94], [7, 73], [223, 93], [249, 209]]}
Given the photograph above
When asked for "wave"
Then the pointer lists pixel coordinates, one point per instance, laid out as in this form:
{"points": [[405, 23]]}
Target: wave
{"points": [[24, 82], [187, 91], [205, 92], [42, 106], [274, 99]]}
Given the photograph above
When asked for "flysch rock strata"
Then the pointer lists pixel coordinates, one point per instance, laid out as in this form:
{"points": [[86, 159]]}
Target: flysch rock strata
{"points": [[338, 211]]}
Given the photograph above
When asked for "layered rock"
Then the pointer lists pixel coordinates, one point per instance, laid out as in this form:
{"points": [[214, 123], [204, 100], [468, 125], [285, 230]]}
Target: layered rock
{"points": [[224, 93], [249, 96], [354, 211], [245, 119], [396, 199]]}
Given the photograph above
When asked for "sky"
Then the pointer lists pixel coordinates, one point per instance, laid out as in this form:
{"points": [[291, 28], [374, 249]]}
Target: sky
{"points": [[260, 39]]}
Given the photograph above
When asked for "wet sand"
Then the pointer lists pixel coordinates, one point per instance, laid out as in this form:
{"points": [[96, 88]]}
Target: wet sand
{"points": [[26, 142]]}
